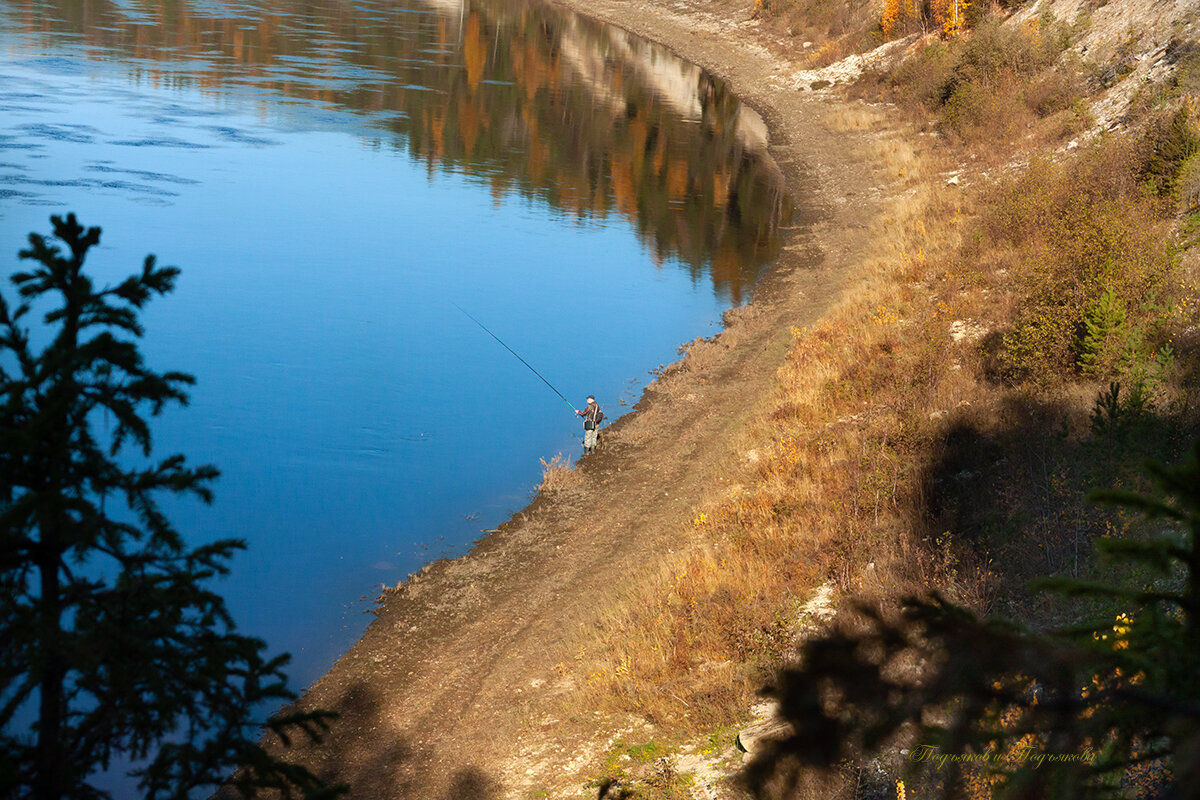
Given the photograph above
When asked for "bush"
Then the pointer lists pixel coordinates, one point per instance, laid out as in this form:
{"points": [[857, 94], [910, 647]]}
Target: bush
{"points": [[1093, 266], [1052, 91], [995, 49], [979, 112], [927, 77], [989, 84], [1187, 184], [1169, 143], [1185, 55]]}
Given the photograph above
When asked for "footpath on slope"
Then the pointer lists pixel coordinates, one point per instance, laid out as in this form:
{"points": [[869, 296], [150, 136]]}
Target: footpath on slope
{"points": [[451, 691]]}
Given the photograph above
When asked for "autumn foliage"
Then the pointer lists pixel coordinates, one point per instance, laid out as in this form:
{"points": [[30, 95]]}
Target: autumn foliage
{"points": [[899, 17]]}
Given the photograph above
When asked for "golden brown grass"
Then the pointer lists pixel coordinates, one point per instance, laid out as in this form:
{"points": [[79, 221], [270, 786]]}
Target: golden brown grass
{"points": [[848, 117], [825, 486], [557, 474]]}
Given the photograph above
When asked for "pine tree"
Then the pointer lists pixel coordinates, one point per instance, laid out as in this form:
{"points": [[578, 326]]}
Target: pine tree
{"points": [[1102, 335], [112, 642], [1170, 143]]}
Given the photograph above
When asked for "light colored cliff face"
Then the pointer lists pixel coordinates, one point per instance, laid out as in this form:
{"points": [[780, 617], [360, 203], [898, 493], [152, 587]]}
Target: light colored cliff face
{"points": [[1136, 41], [1144, 25], [1140, 38]]}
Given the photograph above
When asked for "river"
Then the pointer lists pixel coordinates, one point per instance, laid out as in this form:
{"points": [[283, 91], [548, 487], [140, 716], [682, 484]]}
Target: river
{"points": [[334, 178]]}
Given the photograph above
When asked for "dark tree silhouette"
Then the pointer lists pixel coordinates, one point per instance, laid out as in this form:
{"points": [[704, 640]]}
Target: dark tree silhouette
{"points": [[1090, 711], [111, 641]]}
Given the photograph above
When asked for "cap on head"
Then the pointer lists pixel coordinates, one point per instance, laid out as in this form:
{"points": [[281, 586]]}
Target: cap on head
{"points": [[591, 399]]}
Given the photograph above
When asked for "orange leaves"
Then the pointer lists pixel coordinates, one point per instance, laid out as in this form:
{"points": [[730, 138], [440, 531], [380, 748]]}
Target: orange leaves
{"points": [[949, 15], [892, 10]]}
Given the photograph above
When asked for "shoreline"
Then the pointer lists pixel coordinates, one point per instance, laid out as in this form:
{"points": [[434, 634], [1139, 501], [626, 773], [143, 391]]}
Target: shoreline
{"points": [[453, 687]]}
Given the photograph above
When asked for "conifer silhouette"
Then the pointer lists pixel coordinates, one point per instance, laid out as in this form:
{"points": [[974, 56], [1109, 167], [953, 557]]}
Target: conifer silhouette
{"points": [[112, 641]]}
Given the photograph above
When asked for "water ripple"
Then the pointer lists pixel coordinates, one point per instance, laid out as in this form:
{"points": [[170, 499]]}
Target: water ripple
{"points": [[161, 141], [10, 142], [88, 183], [140, 173], [61, 132], [239, 136], [58, 65]]}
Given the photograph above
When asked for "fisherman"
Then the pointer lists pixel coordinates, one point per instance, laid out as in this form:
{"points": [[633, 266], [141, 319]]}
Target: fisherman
{"points": [[592, 417]]}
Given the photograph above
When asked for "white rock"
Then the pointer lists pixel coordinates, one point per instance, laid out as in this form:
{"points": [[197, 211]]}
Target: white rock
{"points": [[755, 738], [966, 330]]}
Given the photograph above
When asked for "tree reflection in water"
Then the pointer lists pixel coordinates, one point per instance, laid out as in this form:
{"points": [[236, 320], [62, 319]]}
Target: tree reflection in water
{"points": [[526, 98]]}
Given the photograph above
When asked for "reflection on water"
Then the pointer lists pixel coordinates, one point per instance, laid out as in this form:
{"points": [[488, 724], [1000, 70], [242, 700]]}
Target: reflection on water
{"points": [[524, 97], [333, 177]]}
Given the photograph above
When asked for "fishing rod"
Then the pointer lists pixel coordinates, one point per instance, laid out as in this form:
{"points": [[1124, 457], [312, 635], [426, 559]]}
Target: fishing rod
{"points": [[514, 352]]}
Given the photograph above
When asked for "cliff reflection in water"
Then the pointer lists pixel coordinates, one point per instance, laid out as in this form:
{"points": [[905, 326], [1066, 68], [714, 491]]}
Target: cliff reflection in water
{"points": [[525, 97]]}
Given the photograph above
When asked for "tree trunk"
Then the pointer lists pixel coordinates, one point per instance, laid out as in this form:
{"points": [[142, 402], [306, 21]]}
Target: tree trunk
{"points": [[51, 767]]}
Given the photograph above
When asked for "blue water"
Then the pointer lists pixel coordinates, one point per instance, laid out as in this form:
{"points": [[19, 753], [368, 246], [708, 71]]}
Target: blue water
{"points": [[327, 223]]}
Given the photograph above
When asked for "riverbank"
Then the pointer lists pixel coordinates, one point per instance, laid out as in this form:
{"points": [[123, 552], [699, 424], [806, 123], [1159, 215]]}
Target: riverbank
{"points": [[457, 689]]}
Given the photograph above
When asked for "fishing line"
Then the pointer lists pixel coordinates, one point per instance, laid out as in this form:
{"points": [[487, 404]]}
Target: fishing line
{"points": [[514, 352]]}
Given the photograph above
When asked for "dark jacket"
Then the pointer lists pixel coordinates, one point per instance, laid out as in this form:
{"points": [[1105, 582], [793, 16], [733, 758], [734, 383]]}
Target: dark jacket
{"points": [[592, 414]]}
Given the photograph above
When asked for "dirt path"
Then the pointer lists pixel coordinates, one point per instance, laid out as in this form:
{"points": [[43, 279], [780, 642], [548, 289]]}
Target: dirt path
{"points": [[452, 683]]}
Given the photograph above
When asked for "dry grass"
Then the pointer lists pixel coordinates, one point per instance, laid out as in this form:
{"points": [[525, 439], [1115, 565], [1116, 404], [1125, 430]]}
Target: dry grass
{"points": [[825, 486], [557, 474], [847, 118]]}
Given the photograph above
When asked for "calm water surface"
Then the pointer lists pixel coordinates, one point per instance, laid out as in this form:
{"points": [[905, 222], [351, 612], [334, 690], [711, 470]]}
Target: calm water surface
{"points": [[333, 177]]}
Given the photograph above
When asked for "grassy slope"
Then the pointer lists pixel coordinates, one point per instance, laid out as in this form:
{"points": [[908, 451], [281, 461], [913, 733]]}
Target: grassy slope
{"points": [[939, 429]]}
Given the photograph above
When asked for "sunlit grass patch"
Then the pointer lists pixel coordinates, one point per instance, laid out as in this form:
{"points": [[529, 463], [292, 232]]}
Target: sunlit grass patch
{"points": [[558, 473]]}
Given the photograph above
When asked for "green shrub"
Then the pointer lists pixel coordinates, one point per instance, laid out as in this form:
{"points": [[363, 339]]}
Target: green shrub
{"points": [[1094, 267], [1170, 142], [1103, 334], [1187, 184], [1108, 346]]}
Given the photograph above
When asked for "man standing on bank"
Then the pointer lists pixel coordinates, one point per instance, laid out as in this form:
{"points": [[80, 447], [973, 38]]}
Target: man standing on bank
{"points": [[592, 417]]}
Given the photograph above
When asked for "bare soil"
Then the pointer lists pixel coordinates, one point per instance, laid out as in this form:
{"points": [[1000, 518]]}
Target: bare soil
{"points": [[452, 692]]}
